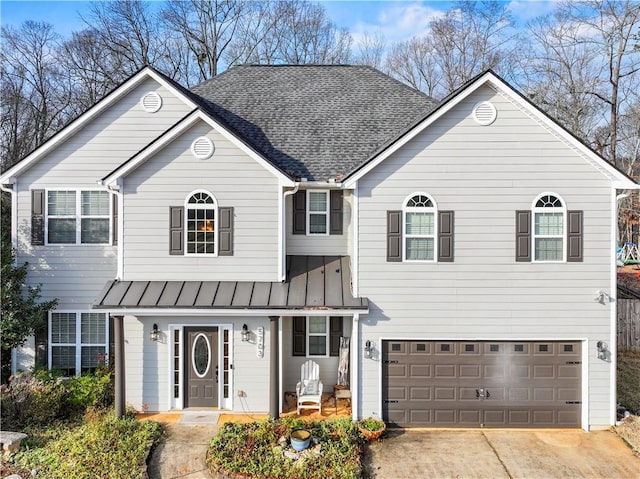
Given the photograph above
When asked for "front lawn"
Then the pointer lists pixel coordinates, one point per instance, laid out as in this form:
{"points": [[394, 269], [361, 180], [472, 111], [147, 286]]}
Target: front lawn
{"points": [[259, 450]]}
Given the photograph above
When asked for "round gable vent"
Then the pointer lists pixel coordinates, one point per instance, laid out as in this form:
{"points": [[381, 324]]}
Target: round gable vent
{"points": [[202, 148], [484, 113], [151, 102]]}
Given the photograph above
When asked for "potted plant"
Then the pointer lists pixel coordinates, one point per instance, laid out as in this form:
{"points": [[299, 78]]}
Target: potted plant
{"points": [[300, 439], [371, 428]]}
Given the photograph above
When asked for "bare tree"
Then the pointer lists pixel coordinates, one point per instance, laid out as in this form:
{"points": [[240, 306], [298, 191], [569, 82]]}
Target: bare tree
{"points": [[470, 38], [560, 72], [609, 26], [207, 28], [371, 49], [34, 98], [414, 62]]}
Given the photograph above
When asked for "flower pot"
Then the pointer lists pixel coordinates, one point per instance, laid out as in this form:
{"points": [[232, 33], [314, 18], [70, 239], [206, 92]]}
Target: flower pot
{"points": [[372, 435], [300, 439]]}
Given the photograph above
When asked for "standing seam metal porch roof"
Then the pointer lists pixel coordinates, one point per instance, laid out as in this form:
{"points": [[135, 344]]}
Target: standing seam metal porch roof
{"points": [[313, 282]]}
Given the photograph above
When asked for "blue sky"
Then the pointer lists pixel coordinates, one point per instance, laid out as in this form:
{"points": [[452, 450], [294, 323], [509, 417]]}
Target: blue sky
{"points": [[395, 19]]}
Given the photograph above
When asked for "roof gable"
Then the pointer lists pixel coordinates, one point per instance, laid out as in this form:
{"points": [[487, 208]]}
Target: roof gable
{"points": [[318, 122], [176, 130], [77, 124], [618, 178]]}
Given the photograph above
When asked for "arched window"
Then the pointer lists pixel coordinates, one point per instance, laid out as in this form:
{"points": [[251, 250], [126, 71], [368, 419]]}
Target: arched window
{"points": [[419, 214], [549, 228], [201, 223]]}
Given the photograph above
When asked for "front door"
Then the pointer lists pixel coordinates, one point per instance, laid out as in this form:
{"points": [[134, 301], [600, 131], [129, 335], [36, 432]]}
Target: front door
{"points": [[201, 365]]}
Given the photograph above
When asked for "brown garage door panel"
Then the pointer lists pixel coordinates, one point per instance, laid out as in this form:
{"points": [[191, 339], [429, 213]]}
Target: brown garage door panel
{"points": [[488, 384]]}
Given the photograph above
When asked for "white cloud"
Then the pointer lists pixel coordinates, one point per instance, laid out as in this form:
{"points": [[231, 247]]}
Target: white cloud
{"points": [[396, 21], [525, 10]]}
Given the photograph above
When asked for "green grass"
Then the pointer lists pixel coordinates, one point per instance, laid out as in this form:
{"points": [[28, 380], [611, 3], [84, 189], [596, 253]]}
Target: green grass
{"points": [[252, 449]]}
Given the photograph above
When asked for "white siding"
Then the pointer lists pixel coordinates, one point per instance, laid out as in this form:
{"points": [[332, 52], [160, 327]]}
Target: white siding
{"points": [[167, 179], [485, 174], [75, 274], [320, 245]]}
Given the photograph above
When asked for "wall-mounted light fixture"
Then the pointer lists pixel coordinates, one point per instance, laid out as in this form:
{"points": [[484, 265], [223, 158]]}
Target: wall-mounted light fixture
{"points": [[603, 351], [245, 333], [601, 297], [155, 334], [368, 349]]}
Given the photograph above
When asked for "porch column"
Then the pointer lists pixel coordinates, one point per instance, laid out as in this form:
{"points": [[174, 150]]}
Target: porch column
{"points": [[118, 333], [274, 384]]}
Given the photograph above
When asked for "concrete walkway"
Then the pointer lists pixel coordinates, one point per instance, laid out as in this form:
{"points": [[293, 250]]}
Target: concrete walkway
{"points": [[182, 452], [542, 454], [441, 454]]}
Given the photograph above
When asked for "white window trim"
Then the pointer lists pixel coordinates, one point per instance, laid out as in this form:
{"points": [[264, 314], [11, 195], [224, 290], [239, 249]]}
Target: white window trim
{"points": [[78, 344], [562, 236], [78, 217], [216, 223], [326, 334], [327, 212], [407, 209]]}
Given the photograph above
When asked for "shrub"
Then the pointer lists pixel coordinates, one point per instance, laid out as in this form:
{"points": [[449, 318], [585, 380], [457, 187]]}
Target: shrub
{"points": [[105, 448], [43, 397], [30, 400], [252, 449], [629, 381]]}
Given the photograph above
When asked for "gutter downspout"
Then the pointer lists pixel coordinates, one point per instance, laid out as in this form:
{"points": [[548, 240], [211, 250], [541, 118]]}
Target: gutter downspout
{"points": [[116, 191], [614, 306], [14, 244], [283, 231]]}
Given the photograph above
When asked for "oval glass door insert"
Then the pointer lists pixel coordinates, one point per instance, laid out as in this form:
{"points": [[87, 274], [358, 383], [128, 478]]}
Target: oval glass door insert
{"points": [[201, 355]]}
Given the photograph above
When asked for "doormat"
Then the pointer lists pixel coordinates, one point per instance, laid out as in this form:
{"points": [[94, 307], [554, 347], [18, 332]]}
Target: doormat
{"points": [[199, 417]]}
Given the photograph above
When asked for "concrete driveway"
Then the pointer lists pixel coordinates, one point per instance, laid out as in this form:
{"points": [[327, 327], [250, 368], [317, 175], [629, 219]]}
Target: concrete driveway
{"points": [[494, 454]]}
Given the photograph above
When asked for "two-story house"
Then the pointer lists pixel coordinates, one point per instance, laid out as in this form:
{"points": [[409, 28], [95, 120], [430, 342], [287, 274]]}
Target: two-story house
{"points": [[223, 235]]}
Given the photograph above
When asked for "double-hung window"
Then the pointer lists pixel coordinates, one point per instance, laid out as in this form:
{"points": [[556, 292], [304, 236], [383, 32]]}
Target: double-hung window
{"points": [[419, 228], [78, 341], [549, 228], [78, 217], [201, 223], [318, 336], [317, 212]]}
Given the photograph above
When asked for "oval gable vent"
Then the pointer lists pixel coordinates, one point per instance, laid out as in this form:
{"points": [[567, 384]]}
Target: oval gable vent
{"points": [[202, 148], [151, 102], [484, 113]]}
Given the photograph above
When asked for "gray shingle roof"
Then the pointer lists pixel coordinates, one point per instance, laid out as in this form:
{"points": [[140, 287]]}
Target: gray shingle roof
{"points": [[317, 122]]}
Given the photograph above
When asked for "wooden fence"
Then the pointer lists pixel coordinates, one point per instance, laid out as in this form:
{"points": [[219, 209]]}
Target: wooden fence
{"points": [[629, 325]]}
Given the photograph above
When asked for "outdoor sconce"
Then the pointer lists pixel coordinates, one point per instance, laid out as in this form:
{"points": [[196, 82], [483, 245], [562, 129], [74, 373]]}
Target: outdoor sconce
{"points": [[155, 334], [368, 349], [245, 333], [603, 351], [601, 297]]}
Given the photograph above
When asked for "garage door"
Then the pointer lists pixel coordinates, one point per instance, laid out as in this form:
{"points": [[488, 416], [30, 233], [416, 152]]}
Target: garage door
{"points": [[481, 383]]}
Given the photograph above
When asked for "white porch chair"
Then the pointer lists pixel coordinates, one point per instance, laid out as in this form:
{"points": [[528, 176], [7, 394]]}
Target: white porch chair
{"points": [[309, 389]]}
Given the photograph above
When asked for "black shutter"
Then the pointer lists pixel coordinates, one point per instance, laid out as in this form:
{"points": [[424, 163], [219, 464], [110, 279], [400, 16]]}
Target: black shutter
{"points": [[574, 236], [335, 332], [112, 341], [114, 220], [42, 343], [299, 336], [394, 235], [176, 230], [523, 236], [300, 213], [335, 211], [445, 236], [37, 217], [225, 232]]}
